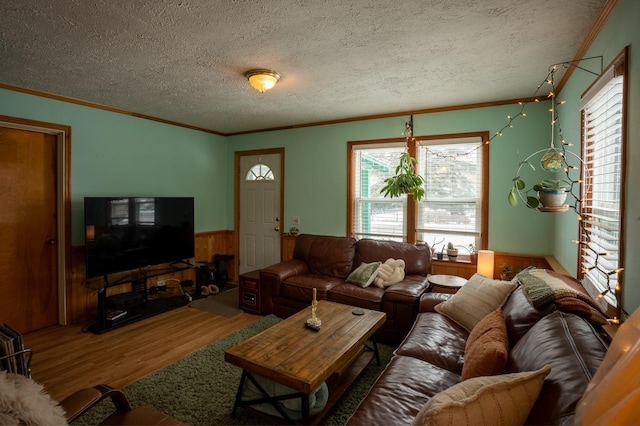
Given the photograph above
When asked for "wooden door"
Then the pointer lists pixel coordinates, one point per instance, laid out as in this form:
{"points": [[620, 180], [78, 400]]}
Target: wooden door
{"points": [[28, 228], [260, 222]]}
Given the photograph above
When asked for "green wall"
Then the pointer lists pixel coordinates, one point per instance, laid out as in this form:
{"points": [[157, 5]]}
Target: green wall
{"points": [[621, 30], [114, 154], [316, 168]]}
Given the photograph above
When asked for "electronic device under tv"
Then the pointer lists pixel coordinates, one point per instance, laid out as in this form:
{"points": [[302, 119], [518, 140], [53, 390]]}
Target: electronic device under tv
{"points": [[127, 233]]}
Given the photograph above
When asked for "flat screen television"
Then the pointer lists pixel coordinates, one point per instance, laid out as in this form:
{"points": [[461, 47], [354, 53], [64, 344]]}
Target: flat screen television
{"points": [[126, 233]]}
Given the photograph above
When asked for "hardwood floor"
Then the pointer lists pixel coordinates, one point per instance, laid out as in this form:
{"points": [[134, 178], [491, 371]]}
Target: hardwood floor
{"points": [[66, 358]]}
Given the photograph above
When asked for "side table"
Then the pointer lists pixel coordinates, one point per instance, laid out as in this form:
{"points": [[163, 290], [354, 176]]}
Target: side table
{"points": [[446, 283], [249, 292]]}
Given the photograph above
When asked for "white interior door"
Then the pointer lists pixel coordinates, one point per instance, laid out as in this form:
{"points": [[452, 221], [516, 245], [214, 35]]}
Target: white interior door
{"points": [[260, 221]]}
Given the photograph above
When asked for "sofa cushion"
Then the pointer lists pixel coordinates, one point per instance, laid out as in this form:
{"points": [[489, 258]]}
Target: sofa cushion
{"points": [[349, 294], [326, 255], [520, 316], [437, 340], [364, 274], [573, 348], [477, 298], [487, 347], [404, 386], [300, 287], [417, 257], [496, 400]]}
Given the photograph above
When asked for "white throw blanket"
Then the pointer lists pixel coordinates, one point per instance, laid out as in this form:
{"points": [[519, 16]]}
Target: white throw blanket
{"points": [[24, 402]]}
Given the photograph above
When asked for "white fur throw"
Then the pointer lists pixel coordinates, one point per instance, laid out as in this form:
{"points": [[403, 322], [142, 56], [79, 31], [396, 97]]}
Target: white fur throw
{"points": [[24, 402], [390, 272]]}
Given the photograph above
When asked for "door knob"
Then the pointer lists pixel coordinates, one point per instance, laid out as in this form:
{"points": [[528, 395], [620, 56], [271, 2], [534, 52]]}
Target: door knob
{"points": [[50, 241], [276, 228]]}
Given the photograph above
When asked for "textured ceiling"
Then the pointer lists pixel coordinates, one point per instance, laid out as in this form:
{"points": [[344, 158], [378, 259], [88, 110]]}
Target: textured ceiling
{"points": [[184, 61]]}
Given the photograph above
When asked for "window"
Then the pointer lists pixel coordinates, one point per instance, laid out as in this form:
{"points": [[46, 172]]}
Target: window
{"points": [[259, 172], [455, 169], [452, 207], [375, 216], [603, 154]]}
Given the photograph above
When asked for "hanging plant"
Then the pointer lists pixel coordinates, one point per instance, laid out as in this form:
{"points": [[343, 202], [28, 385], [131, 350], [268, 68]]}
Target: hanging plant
{"points": [[405, 181]]}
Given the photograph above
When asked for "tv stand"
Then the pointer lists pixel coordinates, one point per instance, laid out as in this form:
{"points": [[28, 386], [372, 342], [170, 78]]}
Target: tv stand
{"points": [[125, 308]]}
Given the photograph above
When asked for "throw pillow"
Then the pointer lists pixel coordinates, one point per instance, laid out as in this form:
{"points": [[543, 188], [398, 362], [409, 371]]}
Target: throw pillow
{"points": [[390, 272], [487, 348], [475, 300], [364, 274], [495, 400]]}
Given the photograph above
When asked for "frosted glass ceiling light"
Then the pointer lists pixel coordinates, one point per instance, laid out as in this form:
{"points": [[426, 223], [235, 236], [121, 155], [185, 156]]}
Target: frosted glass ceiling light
{"points": [[262, 80]]}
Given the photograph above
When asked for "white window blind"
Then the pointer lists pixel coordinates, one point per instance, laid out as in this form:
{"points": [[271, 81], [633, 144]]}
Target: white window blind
{"points": [[375, 216], [602, 188]]}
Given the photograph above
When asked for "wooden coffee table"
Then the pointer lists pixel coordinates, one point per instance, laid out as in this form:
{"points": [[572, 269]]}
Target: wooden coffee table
{"points": [[295, 356]]}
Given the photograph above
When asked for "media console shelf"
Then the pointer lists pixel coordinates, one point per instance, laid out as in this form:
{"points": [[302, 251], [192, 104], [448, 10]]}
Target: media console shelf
{"points": [[120, 309]]}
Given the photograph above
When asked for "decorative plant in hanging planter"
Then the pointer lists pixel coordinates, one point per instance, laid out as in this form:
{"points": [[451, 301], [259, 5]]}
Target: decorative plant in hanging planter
{"points": [[551, 193], [405, 181]]}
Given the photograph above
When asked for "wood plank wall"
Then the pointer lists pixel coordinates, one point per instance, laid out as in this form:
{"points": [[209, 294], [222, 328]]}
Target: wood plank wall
{"points": [[517, 261]]}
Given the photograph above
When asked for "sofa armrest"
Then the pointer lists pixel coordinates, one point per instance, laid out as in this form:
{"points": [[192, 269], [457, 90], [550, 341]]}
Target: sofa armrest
{"points": [[281, 271], [272, 277], [428, 301], [79, 402]]}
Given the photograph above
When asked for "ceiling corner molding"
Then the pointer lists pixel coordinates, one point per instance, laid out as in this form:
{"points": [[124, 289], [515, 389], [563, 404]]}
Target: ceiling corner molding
{"points": [[102, 107]]}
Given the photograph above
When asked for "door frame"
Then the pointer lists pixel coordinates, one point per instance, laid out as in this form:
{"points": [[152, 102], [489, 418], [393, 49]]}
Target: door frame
{"points": [[236, 191], [63, 201]]}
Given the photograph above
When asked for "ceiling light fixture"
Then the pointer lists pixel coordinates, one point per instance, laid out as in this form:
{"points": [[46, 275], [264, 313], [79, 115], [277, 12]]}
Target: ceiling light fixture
{"points": [[262, 80]]}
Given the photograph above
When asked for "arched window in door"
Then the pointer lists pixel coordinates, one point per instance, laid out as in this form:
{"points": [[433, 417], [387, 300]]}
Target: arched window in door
{"points": [[259, 172]]}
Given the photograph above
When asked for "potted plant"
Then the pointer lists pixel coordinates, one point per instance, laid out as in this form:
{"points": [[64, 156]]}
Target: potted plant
{"points": [[552, 192], [434, 246], [473, 253], [507, 272], [405, 181], [452, 252]]}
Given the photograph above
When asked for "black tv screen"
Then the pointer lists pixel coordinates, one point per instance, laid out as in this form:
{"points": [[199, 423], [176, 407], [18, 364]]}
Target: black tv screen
{"points": [[126, 233]]}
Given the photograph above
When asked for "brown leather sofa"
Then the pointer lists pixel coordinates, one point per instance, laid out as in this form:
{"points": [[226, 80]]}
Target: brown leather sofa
{"points": [[430, 360], [324, 262]]}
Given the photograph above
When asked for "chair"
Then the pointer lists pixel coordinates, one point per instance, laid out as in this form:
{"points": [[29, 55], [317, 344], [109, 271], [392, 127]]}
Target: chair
{"points": [[42, 409]]}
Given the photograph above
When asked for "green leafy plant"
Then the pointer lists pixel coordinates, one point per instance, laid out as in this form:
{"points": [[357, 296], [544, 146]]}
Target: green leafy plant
{"points": [[533, 202], [472, 249], [405, 181], [551, 184], [450, 246]]}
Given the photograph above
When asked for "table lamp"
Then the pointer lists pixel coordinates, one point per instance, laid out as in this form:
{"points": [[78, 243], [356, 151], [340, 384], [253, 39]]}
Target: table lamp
{"points": [[485, 263]]}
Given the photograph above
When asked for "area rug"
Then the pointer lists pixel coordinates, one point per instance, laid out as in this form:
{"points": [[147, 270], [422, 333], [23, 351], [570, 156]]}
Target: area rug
{"points": [[200, 388], [224, 303]]}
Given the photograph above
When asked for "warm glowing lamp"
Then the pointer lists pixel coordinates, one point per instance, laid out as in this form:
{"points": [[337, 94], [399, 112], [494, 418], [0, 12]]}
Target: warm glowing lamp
{"points": [[485, 263], [262, 80]]}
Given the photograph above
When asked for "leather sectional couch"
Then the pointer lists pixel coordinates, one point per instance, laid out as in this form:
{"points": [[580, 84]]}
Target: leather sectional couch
{"points": [[431, 360], [325, 262]]}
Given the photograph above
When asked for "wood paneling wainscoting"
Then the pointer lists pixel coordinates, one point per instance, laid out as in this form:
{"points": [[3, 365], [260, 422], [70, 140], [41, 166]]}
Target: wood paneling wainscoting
{"points": [[517, 261], [82, 302]]}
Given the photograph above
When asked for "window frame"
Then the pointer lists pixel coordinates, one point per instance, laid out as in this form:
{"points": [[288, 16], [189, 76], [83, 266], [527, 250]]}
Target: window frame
{"points": [[618, 67], [411, 205]]}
